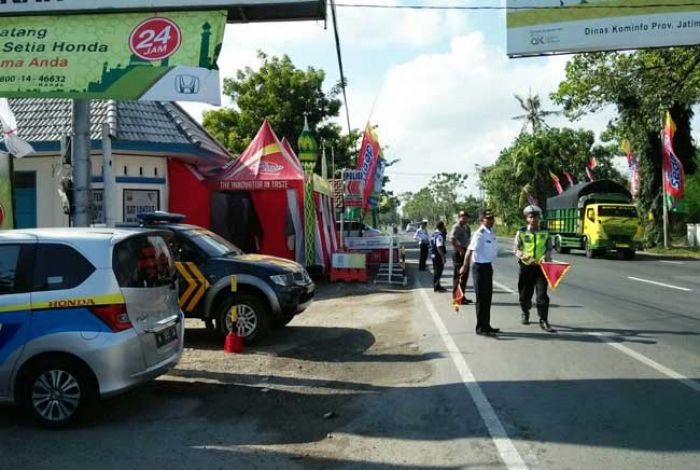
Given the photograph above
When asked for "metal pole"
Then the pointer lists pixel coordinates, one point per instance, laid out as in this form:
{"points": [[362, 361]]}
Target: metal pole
{"points": [[81, 163], [108, 194], [665, 206]]}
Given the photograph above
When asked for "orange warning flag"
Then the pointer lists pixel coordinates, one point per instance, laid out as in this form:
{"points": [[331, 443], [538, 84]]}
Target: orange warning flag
{"points": [[554, 272], [457, 300]]}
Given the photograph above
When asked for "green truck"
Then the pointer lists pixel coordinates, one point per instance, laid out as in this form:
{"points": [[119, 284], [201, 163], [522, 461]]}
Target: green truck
{"points": [[597, 217]]}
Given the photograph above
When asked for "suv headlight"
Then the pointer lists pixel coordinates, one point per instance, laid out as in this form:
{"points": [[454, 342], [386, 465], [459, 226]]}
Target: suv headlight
{"points": [[284, 280]]}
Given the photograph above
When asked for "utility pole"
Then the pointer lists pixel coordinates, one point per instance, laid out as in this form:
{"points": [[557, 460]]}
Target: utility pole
{"points": [[81, 163]]}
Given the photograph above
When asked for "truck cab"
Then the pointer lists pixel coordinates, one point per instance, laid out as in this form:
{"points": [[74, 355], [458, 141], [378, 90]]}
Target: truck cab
{"points": [[597, 217]]}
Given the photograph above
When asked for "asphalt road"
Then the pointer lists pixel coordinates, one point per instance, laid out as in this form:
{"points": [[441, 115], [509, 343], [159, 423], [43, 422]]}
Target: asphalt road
{"points": [[618, 386]]}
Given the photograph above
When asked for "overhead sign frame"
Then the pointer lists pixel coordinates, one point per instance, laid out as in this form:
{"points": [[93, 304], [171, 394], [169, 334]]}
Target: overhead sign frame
{"points": [[239, 11]]}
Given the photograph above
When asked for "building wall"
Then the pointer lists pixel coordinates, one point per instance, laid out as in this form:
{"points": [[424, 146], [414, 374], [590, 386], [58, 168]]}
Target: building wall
{"points": [[137, 176]]}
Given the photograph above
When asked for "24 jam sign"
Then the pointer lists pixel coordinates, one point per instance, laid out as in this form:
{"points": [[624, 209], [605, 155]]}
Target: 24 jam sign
{"points": [[155, 39]]}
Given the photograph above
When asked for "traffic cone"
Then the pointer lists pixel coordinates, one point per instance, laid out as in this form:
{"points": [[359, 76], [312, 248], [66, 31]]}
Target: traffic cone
{"points": [[233, 342]]}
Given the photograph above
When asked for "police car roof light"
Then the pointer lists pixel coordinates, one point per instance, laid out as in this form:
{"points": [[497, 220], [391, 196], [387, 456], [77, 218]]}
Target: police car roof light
{"points": [[159, 216]]}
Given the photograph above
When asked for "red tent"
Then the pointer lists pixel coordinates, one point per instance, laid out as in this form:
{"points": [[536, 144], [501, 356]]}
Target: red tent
{"points": [[274, 180], [188, 194]]}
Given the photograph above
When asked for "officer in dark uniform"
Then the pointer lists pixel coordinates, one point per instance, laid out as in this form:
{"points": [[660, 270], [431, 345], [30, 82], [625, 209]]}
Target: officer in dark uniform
{"points": [[437, 253], [532, 245]]}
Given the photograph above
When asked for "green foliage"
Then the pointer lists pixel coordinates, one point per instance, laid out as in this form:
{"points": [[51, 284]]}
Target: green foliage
{"points": [[524, 168], [283, 94], [534, 114], [440, 200], [641, 85], [692, 197]]}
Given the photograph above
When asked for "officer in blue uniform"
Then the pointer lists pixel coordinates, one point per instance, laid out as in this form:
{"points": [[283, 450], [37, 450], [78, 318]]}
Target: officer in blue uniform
{"points": [[532, 245], [481, 252]]}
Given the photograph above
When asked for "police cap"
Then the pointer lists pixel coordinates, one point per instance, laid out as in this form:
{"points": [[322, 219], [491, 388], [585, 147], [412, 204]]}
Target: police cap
{"points": [[532, 210]]}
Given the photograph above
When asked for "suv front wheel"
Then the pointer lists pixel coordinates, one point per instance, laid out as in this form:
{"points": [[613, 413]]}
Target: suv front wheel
{"points": [[253, 317]]}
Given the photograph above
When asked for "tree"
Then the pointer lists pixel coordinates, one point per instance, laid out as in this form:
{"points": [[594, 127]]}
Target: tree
{"points": [[642, 86], [283, 94], [441, 199], [534, 114], [524, 168]]}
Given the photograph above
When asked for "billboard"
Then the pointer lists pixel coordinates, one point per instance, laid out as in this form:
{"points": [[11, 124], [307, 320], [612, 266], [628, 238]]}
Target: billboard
{"points": [[169, 56], [538, 27], [237, 10]]}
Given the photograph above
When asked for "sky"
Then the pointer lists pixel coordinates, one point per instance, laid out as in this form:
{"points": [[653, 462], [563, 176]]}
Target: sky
{"points": [[438, 84]]}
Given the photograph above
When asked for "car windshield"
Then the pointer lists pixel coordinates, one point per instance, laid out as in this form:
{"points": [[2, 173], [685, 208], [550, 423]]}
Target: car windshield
{"points": [[214, 245], [617, 211]]}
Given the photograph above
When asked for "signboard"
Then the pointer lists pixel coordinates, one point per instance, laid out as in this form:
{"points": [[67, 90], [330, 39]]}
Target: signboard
{"points": [[238, 10], [353, 187], [538, 27], [128, 56], [137, 201]]}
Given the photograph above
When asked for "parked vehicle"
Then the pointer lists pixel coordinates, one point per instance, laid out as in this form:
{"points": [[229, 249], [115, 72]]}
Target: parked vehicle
{"points": [[411, 227], [84, 313], [596, 217], [267, 293], [358, 229]]}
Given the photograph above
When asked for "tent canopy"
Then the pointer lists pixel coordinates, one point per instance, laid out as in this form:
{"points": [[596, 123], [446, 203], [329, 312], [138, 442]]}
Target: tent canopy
{"points": [[266, 164]]}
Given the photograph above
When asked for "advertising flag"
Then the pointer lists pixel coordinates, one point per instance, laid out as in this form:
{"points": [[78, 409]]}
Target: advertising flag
{"points": [[592, 163], [673, 174], [554, 272], [6, 215], [168, 56], [367, 162], [589, 174], [632, 163], [532, 200], [569, 178], [373, 199], [555, 180]]}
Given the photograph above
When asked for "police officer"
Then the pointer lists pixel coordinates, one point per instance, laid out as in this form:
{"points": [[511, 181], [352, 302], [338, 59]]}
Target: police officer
{"points": [[438, 253], [481, 252], [423, 239], [532, 245], [460, 236]]}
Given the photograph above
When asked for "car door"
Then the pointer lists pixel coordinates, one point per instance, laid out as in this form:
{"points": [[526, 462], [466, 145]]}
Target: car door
{"points": [[16, 259], [194, 275]]}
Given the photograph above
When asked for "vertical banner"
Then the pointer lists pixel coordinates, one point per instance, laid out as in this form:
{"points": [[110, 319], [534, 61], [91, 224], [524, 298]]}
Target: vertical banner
{"points": [[367, 162], [7, 221], [169, 56], [673, 174], [373, 199], [632, 164]]}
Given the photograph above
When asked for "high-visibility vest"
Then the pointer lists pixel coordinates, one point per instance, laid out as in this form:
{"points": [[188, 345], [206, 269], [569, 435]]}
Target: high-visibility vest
{"points": [[534, 243]]}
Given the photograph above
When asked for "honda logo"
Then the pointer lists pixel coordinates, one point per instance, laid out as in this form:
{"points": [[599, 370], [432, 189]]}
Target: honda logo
{"points": [[187, 84]]}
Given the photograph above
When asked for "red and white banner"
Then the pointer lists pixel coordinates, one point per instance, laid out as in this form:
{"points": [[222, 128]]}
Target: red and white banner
{"points": [[674, 176], [367, 162]]}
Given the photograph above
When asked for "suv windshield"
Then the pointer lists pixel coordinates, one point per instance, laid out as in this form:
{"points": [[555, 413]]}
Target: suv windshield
{"points": [[212, 244], [617, 211]]}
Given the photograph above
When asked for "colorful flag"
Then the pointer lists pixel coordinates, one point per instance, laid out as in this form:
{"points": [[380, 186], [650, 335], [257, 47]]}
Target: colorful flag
{"points": [[555, 180], [457, 300], [554, 272], [632, 163], [673, 174], [592, 163], [569, 177], [589, 174], [367, 162], [532, 200]]}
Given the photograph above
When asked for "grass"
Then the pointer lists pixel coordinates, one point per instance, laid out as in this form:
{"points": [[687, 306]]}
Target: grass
{"points": [[592, 10]]}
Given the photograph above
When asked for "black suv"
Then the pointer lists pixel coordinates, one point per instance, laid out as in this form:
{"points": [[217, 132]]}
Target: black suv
{"points": [[216, 276]]}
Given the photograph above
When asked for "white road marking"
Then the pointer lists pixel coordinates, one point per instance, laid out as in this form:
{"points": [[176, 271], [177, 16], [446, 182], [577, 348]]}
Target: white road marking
{"points": [[504, 287], [509, 454], [660, 284], [610, 341], [671, 262]]}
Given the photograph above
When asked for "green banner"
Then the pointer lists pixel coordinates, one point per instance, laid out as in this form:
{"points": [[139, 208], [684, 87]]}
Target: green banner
{"points": [[6, 216], [128, 56]]}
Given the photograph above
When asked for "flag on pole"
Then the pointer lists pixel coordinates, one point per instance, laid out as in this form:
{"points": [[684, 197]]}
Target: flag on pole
{"points": [[457, 300], [673, 174], [569, 177], [532, 200], [632, 163], [554, 272], [555, 180], [367, 162], [589, 174], [592, 163]]}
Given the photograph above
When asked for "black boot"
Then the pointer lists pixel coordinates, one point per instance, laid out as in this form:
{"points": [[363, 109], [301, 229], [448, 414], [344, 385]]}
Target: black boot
{"points": [[525, 318], [544, 324]]}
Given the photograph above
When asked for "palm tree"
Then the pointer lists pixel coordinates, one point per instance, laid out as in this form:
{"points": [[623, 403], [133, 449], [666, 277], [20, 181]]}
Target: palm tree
{"points": [[534, 115]]}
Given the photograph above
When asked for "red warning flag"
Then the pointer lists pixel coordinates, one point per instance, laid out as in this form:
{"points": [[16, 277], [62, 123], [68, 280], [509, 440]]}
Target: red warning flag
{"points": [[554, 272], [458, 296]]}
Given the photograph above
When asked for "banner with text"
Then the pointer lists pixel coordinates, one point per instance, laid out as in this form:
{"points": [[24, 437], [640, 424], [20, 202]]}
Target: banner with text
{"points": [[125, 56], [566, 26]]}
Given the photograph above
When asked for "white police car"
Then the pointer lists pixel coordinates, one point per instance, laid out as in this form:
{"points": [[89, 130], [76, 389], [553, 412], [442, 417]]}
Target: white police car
{"points": [[84, 313]]}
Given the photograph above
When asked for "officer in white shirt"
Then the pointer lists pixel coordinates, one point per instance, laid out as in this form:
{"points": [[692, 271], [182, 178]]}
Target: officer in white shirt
{"points": [[423, 238], [482, 250]]}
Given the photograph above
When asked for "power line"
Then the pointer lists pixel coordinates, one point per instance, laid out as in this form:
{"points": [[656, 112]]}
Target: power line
{"points": [[340, 63], [513, 8]]}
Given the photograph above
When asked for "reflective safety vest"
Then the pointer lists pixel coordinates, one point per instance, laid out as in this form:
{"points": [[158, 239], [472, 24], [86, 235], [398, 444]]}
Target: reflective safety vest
{"points": [[534, 243]]}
